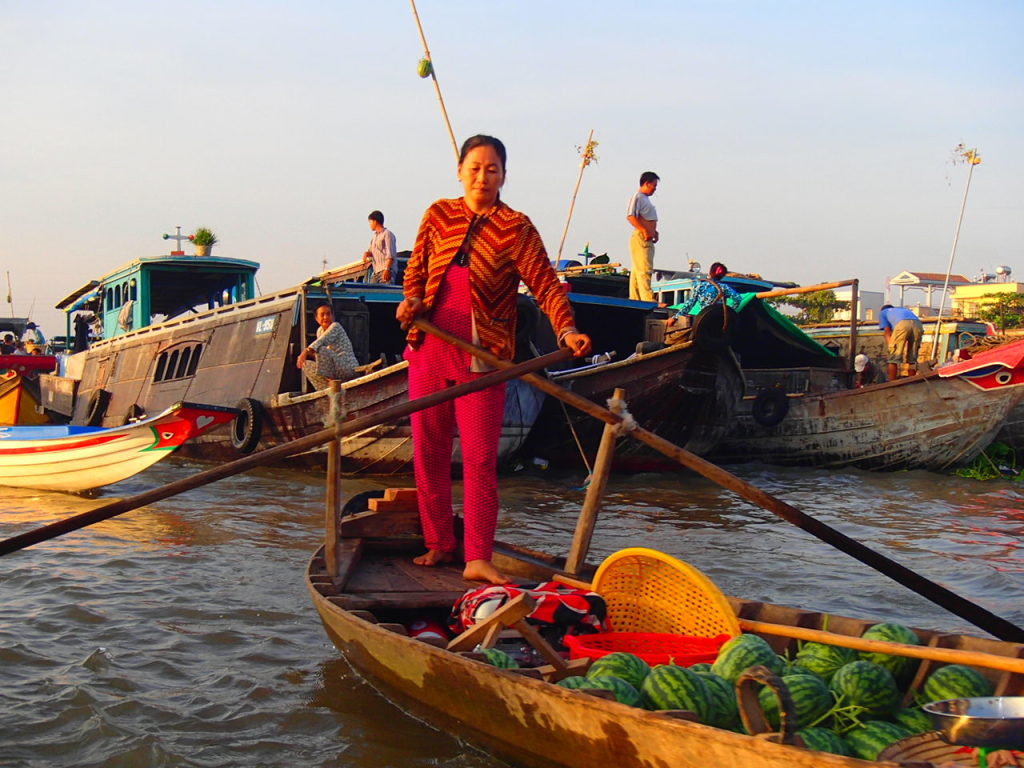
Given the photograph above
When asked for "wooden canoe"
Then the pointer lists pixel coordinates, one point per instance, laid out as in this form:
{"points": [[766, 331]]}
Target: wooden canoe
{"points": [[376, 591]]}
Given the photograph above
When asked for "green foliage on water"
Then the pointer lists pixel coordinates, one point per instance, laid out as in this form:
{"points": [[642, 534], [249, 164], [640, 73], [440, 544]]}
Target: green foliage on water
{"points": [[997, 462]]}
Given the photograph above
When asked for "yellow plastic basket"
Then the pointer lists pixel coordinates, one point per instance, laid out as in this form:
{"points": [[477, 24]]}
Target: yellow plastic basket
{"points": [[649, 591]]}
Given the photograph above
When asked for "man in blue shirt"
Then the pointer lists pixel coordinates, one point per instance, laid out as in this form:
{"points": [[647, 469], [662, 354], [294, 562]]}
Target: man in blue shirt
{"points": [[903, 332]]}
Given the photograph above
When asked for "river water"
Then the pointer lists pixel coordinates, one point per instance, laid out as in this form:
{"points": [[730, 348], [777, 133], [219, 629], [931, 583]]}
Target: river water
{"points": [[181, 634]]}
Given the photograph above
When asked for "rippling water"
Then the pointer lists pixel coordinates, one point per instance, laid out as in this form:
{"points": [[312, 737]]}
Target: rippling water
{"points": [[181, 634]]}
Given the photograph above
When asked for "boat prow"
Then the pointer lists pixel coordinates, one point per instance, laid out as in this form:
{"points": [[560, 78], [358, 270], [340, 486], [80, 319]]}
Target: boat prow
{"points": [[73, 458]]}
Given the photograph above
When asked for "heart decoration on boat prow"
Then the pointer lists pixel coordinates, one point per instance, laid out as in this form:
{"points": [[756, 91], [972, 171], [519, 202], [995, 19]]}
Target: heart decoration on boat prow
{"points": [[204, 421]]}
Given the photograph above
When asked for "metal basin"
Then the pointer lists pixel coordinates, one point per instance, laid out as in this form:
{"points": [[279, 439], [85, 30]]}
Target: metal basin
{"points": [[994, 721]]}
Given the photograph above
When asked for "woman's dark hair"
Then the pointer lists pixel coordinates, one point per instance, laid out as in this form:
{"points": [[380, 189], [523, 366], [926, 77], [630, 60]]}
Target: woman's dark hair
{"points": [[480, 140], [717, 270], [321, 306]]}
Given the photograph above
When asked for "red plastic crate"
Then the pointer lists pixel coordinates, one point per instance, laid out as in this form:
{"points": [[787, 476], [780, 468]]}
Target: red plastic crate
{"points": [[653, 648]]}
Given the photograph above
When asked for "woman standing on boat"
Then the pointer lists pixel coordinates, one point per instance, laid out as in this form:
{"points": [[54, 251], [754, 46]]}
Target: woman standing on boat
{"points": [[464, 273]]}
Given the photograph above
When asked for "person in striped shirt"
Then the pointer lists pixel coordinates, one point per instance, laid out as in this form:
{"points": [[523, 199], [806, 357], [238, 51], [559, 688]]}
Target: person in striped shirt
{"points": [[464, 272]]}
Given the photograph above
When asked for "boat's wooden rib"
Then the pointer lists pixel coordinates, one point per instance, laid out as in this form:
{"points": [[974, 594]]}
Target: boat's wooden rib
{"points": [[523, 716]]}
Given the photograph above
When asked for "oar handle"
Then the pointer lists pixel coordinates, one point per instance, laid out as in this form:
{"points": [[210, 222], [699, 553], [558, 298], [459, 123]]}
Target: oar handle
{"points": [[952, 602]]}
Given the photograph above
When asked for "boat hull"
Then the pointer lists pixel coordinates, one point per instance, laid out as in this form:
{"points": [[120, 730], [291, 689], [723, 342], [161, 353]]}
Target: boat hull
{"points": [[534, 723], [921, 422]]}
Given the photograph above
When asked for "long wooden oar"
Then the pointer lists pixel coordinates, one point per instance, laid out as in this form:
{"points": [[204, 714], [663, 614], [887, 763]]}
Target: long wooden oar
{"points": [[965, 609], [276, 453]]}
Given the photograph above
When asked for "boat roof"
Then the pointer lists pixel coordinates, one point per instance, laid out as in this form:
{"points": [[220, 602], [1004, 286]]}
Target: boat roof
{"points": [[190, 265]]}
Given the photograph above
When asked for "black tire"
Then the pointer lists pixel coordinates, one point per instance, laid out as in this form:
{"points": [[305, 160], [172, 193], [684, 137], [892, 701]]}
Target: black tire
{"points": [[98, 402], [646, 347], [715, 327], [769, 407], [247, 427], [134, 413]]}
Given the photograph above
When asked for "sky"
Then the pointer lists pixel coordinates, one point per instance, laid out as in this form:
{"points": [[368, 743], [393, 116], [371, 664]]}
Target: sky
{"points": [[803, 141]]}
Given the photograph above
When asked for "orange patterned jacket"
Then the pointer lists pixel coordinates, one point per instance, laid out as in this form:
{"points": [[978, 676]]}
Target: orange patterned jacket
{"points": [[505, 246]]}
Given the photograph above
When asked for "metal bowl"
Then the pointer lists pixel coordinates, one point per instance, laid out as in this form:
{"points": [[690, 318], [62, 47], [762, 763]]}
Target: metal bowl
{"points": [[994, 721]]}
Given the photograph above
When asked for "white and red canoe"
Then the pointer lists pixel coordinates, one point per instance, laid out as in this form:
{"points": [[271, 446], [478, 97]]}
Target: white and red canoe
{"points": [[70, 458]]}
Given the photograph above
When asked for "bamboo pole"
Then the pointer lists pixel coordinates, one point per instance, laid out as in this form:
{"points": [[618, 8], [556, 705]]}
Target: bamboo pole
{"points": [[972, 158], [854, 298], [332, 511], [931, 653], [595, 492], [803, 289], [433, 76], [996, 625], [588, 155], [270, 455]]}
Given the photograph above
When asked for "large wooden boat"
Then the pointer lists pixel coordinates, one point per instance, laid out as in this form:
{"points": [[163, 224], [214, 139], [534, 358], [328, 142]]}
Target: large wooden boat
{"points": [[374, 592], [64, 458], [808, 417]]}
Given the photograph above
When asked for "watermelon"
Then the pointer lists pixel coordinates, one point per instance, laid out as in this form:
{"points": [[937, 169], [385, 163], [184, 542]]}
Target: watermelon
{"points": [[724, 711], [914, 719], [624, 692], [424, 68], [741, 653], [498, 658], [901, 667], [630, 668], [822, 660], [866, 685], [573, 682], [824, 740], [868, 740], [955, 681], [672, 687], [701, 669], [812, 699]]}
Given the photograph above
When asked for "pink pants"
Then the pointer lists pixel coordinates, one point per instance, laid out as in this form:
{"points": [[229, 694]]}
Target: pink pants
{"points": [[433, 367]]}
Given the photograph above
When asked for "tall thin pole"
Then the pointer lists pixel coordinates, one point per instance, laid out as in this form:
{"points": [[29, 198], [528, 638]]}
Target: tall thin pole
{"points": [[972, 158], [433, 76], [9, 299], [588, 155]]}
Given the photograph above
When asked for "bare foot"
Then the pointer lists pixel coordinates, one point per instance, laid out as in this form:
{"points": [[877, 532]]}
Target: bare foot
{"points": [[483, 570], [434, 557]]}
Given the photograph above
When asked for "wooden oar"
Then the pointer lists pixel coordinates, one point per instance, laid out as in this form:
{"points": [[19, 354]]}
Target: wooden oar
{"points": [[980, 617], [933, 653], [276, 453]]}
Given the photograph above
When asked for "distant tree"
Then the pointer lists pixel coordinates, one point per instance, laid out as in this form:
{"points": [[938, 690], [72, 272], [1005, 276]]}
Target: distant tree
{"points": [[817, 307], [1005, 310]]}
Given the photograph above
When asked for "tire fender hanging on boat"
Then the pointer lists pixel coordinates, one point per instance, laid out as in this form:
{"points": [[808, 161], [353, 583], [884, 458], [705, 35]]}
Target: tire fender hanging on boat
{"points": [[247, 427], [715, 327], [770, 407], [98, 402]]}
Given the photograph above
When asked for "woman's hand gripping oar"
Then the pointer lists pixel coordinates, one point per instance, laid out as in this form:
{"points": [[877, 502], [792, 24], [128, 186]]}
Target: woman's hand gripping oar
{"points": [[962, 607]]}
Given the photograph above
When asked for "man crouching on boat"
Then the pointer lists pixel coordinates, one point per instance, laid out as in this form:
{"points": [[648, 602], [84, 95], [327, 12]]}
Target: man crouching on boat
{"points": [[464, 272]]}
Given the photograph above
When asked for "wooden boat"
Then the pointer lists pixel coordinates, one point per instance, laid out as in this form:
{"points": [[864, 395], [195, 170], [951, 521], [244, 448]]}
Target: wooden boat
{"points": [[376, 592], [936, 421], [67, 458]]}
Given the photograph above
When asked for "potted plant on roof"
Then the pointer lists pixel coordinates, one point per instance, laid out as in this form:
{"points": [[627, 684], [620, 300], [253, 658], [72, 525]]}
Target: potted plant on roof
{"points": [[203, 239]]}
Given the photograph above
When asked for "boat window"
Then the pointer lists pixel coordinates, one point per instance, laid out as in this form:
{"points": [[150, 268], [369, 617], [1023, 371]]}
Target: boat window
{"points": [[110, 299], [161, 366], [186, 357], [133, 289], [194, 363], [172, 363], [179, 363]]}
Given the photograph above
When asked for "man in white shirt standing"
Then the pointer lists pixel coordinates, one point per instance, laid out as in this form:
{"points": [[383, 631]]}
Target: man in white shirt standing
{"points": [[643, 217], [381, 256]]}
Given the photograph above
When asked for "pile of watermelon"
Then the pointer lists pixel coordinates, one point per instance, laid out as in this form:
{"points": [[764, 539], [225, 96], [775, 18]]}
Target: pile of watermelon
{"points": [[847, 702]]}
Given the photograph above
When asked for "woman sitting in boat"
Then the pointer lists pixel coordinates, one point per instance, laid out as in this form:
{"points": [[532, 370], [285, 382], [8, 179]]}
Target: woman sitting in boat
{"points": [[331, 355], [710, 291], [464, 272]]}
